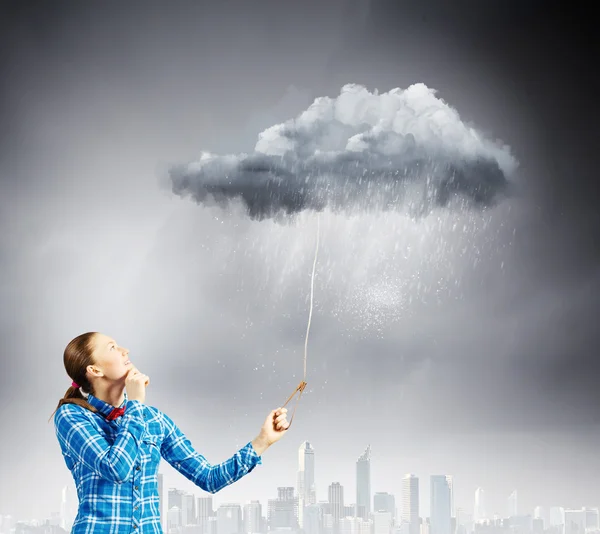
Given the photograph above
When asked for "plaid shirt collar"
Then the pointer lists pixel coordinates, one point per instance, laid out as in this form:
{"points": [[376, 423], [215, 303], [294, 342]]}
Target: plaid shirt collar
{"points": [[103, 407]]}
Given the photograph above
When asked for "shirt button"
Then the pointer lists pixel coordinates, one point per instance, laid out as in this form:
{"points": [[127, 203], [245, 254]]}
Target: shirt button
{"points": [[135, 487], [136, 507], [137, 468], [134, 526]]}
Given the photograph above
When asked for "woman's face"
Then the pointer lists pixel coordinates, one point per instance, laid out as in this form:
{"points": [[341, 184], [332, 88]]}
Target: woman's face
{"points": [[111, 360]]}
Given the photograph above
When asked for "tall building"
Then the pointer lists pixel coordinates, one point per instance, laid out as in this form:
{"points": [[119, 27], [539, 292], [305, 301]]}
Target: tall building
{"points": [[541, 512], [173, 518], [285, 493], [580, 521], [479, 512], [324, 507], [336, 500], [175, 497], [188, 509], [385, 502], [306, 479], [440, 518], [312, 519], [205, 513], [512, 508], [363, 484], [592, 519], [229, 519], [450, 480], [574, 521], [410, 503], [252, 517], [69, 503], [282, 512], [556, 516], [175, 501]]}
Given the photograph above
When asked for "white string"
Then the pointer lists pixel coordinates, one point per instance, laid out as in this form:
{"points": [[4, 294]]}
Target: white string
{"points": [[312, 290]]}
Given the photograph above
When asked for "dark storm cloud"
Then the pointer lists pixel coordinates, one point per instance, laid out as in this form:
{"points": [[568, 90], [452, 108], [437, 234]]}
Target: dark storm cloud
{"points": [[360, 150]]}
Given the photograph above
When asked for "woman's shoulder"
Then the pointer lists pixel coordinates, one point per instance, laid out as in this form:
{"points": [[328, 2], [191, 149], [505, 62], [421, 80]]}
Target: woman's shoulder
{"points": [[69, 413], [71, 409]]}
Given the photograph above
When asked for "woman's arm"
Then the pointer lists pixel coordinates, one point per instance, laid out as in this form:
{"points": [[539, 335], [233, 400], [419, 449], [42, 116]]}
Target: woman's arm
{"points": [[80, 439], [178, 451], [260, 445]]}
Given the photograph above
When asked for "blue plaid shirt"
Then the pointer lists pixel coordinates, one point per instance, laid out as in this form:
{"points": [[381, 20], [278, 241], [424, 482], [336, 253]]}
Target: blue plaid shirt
{"points": [[115, 464]]}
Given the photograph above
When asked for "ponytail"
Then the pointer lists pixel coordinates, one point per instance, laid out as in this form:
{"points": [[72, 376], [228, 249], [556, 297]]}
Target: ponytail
{"points": [[73, 396]]}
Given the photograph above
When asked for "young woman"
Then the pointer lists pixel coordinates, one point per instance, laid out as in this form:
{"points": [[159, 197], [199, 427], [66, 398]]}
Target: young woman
{"points": [[112, 442]]}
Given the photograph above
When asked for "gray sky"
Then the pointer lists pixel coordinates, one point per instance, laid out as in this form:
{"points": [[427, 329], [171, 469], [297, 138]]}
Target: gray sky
{"points": [[468, 352]]}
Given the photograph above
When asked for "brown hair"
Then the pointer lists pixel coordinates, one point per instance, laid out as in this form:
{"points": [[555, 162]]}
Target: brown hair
{"points": [[77, 357]]}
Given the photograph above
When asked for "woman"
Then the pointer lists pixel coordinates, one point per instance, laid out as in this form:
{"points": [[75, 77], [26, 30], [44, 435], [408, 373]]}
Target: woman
{"points": [[112, 442]]}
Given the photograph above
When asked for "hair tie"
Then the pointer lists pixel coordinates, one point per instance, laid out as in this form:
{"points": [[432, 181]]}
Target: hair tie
{"points": [[74, 385]]}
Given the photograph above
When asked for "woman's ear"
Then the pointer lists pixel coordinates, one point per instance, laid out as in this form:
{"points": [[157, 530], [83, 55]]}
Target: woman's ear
{"points": [[94, 371]]}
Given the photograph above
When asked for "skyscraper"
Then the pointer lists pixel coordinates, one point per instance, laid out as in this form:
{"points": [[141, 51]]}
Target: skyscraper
{"points": [[592, 518], [541, 512], [205, 513], [229, 518], [188, 509], [306, 479], [440, 518], [173, 518], [363, 484], [282, 512], [252, 517], [383, 501], [312, 519], [556, 516], [68, 507], [336, 500], [410, 503], [574, 521], [479, 512], [175, 498], [450, 480]]}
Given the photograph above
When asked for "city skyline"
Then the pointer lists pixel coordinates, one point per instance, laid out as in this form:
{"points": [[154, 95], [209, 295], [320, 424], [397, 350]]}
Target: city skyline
{"points": [[251, 511], [192, 507]]}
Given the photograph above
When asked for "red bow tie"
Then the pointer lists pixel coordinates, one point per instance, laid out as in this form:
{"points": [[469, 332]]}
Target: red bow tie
{"points": [[117, 412]]}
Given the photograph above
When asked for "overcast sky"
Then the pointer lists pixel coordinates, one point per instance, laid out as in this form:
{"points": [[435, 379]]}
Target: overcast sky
{"points": [[460, 343]]}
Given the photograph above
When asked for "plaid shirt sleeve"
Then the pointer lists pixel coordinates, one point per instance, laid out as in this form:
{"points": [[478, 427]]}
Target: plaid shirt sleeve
{"points": [[177, 450], [80, 439]]}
